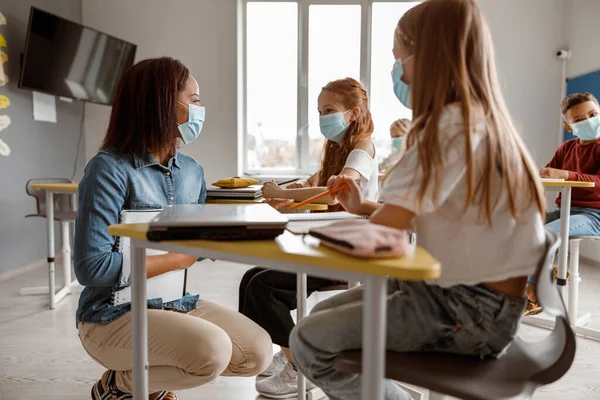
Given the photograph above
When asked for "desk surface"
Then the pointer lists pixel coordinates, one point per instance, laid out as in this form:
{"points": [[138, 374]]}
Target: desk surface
{"points": [[576, 184], [63, 187], [293, 249], [311, 207]]}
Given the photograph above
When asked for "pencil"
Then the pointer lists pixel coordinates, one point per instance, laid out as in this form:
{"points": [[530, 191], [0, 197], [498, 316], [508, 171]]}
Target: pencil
{"points": [[319, 196]]}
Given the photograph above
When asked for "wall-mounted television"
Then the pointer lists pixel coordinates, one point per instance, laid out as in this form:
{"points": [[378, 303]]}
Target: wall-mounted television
{"points": [[67, 59]]}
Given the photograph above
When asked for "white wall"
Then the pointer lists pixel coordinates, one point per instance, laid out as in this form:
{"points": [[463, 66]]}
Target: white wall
{"points": [[200, 33], [583, 33], [526, 36]]}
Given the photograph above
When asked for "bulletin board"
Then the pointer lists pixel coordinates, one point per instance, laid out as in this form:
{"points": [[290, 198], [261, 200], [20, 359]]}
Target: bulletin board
{"points": [[584, 83]]}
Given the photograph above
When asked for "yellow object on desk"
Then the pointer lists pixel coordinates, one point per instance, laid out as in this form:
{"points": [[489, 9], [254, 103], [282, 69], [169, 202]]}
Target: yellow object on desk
{"points": [[294, 249], [235, 182]]}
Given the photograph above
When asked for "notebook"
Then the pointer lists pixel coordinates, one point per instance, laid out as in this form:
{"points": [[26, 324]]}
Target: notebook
{"points": [[250, 192], [169, 286], [302, 223]]}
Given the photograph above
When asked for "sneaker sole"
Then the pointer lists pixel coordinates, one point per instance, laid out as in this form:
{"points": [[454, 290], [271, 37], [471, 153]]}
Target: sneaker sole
{"points": [[534, 311]]}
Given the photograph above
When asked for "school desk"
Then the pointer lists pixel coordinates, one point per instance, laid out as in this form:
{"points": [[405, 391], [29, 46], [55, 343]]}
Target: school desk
{"points": [[565, 188], [287, 253], [54, 297]]}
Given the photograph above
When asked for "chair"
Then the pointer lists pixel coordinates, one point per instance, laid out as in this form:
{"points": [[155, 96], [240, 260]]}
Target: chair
{"points": [[65, 206], [65, 211], [516, 375], [579, 323]]}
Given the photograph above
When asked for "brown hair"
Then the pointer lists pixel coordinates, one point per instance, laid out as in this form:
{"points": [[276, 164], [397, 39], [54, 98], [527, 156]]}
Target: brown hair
{"points": [[349, 93], [461, 68], [144, 114], [575, 99], [403, 124]]}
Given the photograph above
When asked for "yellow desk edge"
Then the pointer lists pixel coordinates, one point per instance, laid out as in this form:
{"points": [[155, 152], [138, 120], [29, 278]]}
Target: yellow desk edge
{"points": [[56, 186], [579, 184], [418, 267]]}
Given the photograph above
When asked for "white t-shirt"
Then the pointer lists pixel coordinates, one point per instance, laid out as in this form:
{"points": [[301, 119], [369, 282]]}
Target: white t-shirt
{"points": [[367, 167], [469, 249]]}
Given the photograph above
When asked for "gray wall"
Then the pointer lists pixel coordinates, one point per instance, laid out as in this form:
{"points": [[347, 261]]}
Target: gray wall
{"points": [[203, 35], [39, 149]]}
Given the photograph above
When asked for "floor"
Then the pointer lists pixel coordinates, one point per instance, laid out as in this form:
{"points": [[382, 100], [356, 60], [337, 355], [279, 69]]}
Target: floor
{"points": [[41, 357]]}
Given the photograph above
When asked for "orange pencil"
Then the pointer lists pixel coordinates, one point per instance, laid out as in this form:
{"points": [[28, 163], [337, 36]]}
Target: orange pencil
{"points": [[319, 196]]}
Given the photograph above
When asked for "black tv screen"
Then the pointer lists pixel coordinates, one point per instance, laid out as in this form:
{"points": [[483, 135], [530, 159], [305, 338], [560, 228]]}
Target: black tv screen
{"points": [[66, 59]]}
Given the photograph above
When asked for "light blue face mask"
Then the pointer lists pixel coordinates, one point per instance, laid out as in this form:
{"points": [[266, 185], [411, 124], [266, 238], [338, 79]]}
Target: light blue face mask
{"points": [[190, 130], [333, 126], [401, 88], [588, 129], [397, 142]]}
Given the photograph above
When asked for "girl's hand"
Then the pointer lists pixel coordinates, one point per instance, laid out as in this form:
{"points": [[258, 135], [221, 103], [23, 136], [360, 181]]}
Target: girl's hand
{"points": [[272, 191], [278, 204], [350, 198]]}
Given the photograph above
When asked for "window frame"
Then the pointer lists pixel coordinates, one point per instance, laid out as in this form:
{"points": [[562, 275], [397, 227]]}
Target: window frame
{"points": [[303, 166]]}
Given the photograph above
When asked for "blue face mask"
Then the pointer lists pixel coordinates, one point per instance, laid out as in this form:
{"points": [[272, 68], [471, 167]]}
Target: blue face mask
{"points": [[190, 130], [333, 126], [397, 142], [401, 88], [588, 129]]}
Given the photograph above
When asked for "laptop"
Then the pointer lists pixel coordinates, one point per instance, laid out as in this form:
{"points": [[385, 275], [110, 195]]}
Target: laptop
{"points": [[217, 222]]}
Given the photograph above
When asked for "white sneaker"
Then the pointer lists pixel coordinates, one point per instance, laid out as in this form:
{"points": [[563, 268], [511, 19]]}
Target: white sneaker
{"points": [[283, 385], [279, 361]]}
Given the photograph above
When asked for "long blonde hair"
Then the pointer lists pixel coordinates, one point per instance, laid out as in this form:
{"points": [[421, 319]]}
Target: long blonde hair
{"points": [[350, 93], [454, 62]]}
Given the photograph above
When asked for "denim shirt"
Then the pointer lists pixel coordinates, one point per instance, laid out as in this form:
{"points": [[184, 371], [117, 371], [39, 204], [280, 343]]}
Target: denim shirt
{"points": [[111, 183]]}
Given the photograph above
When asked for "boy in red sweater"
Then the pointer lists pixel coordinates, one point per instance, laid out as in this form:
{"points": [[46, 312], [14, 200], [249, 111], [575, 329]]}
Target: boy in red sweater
{"points": [[577, 160]]}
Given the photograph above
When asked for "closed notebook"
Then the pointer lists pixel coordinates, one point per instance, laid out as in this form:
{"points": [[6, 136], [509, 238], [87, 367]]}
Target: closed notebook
{"points": [[168, 287], [302, 223]]}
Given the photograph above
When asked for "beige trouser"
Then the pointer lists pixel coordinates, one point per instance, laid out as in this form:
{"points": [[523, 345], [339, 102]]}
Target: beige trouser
{"points": [[184, 350]]}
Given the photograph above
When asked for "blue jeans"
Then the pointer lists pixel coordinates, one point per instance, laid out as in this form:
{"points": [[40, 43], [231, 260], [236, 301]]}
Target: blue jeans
{"points": [[469, 320], [582, 222]]}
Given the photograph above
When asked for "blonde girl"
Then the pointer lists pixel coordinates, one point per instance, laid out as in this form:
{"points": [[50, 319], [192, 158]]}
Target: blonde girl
{"points": [[472, 191]]}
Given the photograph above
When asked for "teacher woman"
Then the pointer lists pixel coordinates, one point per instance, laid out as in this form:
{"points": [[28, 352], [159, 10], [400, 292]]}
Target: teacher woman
{"points": [[191, 341]]}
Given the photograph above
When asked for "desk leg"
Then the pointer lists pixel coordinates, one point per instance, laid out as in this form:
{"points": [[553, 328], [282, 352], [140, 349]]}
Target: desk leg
{"points": [[51, 255], [66, 252], [139, 323], [565, 213], [374, 335], [301, 312]]}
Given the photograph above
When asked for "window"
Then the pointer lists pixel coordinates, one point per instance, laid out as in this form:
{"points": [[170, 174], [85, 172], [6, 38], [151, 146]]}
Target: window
{"points": [[291, 50], [272, 85]]}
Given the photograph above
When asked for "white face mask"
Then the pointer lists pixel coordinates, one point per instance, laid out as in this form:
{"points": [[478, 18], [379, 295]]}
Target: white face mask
{"points": [[588, 129], [190, 130], [401, 88]]}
